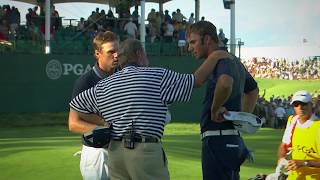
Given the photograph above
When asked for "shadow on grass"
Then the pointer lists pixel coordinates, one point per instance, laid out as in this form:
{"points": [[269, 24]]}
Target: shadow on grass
{"points": [[13, 146]]}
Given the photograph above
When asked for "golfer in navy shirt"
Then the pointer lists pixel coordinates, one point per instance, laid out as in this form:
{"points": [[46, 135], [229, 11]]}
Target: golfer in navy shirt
{"points": [[229, 87], [93, 163]]}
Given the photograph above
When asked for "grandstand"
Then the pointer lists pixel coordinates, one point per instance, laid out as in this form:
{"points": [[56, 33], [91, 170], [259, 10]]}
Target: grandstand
{"points": [[69, 40]]}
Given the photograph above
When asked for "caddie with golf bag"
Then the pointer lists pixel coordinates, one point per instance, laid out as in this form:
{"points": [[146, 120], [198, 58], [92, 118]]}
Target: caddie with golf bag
{"points": [[302, 137]]}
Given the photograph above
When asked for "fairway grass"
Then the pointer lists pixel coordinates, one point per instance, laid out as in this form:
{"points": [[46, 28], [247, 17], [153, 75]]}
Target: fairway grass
{"points": [[284, 88], [43, 152]]}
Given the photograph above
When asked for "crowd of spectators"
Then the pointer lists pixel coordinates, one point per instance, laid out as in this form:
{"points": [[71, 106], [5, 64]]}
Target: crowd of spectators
{"points": [[275, 111], [165, 27], [161, 26], [9, 22], [283, 69]]}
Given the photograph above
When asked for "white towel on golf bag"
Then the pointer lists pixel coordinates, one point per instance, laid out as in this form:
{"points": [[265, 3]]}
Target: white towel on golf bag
{"points": [[275, 176]]}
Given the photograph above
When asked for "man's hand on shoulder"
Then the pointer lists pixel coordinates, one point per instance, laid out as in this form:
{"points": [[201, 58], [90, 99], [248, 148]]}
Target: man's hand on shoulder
{"points": [[203, 72], [219, 54]]}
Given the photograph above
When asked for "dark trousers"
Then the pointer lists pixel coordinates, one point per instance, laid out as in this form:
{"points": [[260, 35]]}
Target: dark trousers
{"points": [[222, 157]]}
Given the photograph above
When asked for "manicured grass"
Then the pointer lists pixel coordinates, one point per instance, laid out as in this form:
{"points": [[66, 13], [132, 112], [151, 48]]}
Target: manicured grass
{"points": [[39, 146], [284, 88], [44, 152]]}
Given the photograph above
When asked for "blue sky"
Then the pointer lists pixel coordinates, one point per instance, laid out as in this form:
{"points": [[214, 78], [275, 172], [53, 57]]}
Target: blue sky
{"points": [[259, 23]]}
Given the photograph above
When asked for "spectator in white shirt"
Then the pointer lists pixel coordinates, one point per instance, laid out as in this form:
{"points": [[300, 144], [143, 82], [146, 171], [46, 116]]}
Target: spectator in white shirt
{"points": [[168, 31], [131, 29], [280, 114], [191, 19]]}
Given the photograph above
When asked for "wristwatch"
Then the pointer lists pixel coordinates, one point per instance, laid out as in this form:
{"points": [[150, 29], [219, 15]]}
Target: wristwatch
{"points": [[306, 163]]}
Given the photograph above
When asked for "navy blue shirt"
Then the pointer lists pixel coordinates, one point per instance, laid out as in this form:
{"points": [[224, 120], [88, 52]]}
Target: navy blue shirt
{"points": [[87, 81], [243, 82]]}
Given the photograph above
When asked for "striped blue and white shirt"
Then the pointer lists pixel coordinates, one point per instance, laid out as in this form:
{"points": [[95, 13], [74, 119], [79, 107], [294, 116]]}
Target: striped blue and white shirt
{"points": [[138, 96]]}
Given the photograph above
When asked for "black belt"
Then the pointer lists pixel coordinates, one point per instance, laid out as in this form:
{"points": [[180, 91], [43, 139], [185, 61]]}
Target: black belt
{"points": [[143, 139]]}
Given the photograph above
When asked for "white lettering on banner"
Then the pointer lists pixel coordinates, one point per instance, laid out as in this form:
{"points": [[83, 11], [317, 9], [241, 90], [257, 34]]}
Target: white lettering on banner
{"points": [[55, 69], [67, 68], [78, 69]]}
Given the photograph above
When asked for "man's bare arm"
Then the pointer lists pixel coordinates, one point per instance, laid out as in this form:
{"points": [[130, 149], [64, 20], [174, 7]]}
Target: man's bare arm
{"points": [[250, 100], [83, 123], [221, 94], [295, 164], [282, 151], [206, 68]]}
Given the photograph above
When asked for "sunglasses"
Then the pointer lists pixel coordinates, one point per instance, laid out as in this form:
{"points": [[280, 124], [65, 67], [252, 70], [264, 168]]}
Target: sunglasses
{"points": [[297, 103]]}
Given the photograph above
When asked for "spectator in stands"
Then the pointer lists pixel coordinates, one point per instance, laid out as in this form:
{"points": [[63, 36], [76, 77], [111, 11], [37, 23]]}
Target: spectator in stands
{"points": [[81, 25], [174, 17], [28, 17], [191, 19], [131, 29], [260, 111], [316, 102], [92, 20], [167, 17], [151, 33], [14, 22], [101, 21], [32, 24], [182, 38], [152, 17], [135, 16], [168, 31], [222, 40], [179, 17], [289, 110], [4, 30], [110, 20], [281, 69], [202, 18], [56, 18], [35, 10], [157, 24], [280, 114]]}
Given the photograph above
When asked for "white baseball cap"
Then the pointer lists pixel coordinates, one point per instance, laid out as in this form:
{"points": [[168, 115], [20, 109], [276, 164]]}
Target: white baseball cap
{"points": [[301, 96], [244, 122]]}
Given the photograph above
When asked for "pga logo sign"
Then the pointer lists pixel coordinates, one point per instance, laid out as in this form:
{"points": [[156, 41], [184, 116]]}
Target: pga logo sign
{"points": [[55, 69]]}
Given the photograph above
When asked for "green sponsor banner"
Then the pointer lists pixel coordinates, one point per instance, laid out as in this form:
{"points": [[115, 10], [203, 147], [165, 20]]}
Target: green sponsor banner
{"points": [[43, 83]]}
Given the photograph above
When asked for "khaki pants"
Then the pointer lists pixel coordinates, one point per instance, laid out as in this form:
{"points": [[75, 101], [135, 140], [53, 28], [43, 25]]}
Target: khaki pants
{"points": [[147, 161]]}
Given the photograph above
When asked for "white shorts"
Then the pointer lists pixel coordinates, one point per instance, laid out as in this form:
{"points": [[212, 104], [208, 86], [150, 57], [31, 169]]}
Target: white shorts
{"points": [[181, 43], [93, 163]]}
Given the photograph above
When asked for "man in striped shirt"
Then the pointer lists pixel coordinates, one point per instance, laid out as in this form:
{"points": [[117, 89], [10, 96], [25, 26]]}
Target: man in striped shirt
{"points": [[135, 101]]}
